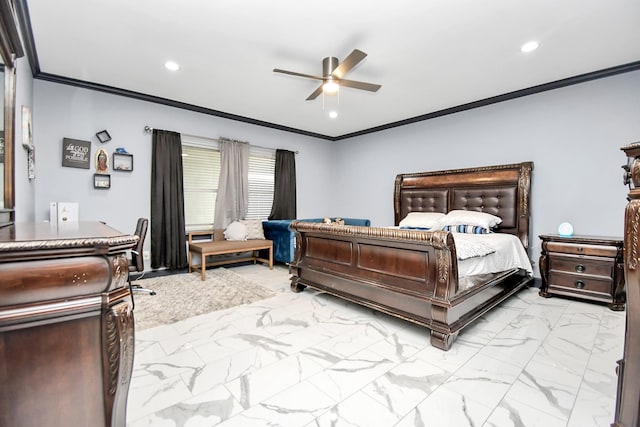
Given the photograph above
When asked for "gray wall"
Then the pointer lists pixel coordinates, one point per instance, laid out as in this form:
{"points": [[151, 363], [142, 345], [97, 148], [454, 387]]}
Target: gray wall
{"points": [[572, 135], [24, 187], [65, 111]]}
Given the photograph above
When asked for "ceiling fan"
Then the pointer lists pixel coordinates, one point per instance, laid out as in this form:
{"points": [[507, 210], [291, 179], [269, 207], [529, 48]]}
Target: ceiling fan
{"points": [[333, 73]]}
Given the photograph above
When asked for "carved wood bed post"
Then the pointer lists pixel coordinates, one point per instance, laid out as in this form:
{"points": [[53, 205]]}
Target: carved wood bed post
{"points": [[628, 396], [524, 214], [293, 267]]}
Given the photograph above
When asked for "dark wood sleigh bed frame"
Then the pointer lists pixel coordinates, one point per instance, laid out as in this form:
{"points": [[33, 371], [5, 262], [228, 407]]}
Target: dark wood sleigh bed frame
{"points": [[413, 274]]}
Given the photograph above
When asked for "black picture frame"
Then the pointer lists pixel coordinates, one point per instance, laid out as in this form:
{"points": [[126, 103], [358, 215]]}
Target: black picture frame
{"points": [[101, 181], [122, 162], [103, 136], [76, 153]]}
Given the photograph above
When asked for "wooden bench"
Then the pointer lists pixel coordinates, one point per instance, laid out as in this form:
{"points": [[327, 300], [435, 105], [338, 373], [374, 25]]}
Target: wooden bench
{"points": [[217, 245]]}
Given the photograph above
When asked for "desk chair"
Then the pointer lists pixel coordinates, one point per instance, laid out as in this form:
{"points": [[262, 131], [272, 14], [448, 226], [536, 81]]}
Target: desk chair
{"points": [[136, 264]]}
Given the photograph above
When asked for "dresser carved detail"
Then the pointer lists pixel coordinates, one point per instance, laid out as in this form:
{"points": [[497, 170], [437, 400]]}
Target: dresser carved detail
{"points": [[66, 325], [628, 394]]}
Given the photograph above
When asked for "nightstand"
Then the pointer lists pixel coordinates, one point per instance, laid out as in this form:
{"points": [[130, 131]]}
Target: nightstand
{"points": [[584, 267]]}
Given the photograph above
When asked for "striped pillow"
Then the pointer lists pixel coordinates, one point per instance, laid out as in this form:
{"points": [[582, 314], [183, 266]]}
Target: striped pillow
{"points": [[464, 228]]}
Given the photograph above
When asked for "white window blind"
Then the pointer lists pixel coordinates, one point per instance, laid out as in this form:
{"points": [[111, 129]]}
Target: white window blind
{"points": [[201, 169], [262, 166]]}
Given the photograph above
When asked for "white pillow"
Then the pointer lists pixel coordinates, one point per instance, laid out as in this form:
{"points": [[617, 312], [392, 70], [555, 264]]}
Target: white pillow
{"points": [[473, 218], [236, 231], [421, 219], [254, 228]]}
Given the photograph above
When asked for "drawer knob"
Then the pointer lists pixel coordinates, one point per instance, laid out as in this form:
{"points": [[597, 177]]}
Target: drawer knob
{"points": [[579, 284], [580, 268]]}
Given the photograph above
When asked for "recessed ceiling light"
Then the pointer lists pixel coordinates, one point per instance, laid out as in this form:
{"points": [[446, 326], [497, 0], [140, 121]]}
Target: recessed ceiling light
{"points": [[172, 66], [333, 114], [529, 46]]}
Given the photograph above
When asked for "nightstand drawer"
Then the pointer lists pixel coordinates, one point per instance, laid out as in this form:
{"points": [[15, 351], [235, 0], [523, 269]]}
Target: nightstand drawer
{"points": [[589, 266], [580, 283], [582, 249]]}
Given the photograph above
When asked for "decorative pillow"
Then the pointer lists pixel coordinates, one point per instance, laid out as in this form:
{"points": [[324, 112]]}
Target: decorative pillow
{"points": [[254, 228], [421, 220], [236, 231], [464, 228], [470, 247], [472, 218]]}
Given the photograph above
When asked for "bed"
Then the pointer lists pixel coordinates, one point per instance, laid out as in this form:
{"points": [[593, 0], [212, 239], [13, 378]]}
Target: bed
{"points": [[413, 273]]}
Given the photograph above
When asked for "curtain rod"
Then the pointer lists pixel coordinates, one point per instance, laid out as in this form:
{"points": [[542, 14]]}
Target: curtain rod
{"points": [[149, 129]]}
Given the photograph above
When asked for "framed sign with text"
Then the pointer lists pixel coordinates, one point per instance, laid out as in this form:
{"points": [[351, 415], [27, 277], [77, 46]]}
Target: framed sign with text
{"points": [[76, 153]]}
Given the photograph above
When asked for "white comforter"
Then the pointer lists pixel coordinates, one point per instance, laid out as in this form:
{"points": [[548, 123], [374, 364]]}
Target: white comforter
{"points": [[506, 252]]}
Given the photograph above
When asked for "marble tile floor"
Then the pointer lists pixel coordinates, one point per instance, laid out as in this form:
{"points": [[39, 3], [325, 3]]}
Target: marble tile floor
{"points": [[310, 359]]}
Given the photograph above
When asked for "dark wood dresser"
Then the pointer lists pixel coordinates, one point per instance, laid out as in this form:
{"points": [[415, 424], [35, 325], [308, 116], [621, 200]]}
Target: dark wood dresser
{"points": [[628, 396], [584, 267], [66, 325]]}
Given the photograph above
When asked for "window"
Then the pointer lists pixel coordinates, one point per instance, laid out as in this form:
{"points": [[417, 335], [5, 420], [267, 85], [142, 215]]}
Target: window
{"points": [[201, 169], [262, 169]]}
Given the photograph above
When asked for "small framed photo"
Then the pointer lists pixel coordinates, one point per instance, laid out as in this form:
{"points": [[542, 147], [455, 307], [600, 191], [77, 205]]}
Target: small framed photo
{"points": [[101, 181], [27, 134], [122, 162], [103, 136], [102, 161]]}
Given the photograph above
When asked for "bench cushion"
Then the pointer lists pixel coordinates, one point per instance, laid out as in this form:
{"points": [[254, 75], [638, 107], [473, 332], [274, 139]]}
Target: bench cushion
{"points": [[228, 246]]}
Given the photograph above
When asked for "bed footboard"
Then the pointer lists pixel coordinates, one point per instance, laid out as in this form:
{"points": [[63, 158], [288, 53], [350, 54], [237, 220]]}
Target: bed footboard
{"points": [[408, 274]]}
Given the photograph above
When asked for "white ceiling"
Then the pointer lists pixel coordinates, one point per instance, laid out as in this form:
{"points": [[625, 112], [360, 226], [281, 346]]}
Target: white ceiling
{"points": [[428, 55]]}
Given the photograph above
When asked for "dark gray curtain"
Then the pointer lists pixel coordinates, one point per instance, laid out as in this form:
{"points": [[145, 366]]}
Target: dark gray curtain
{"points": [[168, 241], [284, 194]]}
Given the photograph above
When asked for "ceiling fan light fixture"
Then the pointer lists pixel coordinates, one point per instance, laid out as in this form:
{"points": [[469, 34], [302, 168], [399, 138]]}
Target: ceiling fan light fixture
{"points": [[330, 86], [333, 76]]}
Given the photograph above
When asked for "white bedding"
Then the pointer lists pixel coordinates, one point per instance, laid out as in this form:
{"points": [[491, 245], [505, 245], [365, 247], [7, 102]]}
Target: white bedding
{"points": [[489, 253], [509, 253]]}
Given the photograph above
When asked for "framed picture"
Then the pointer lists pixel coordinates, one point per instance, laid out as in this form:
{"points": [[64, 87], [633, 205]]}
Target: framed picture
{"points": [[122, 162], [31, 162], [76, 153], [102, 161], [101, 181], [103, 136], [27, 133]]}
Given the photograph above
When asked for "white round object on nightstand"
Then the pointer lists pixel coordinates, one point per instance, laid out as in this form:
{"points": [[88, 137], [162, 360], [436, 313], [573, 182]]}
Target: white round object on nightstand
{"points": [[565, 229]]}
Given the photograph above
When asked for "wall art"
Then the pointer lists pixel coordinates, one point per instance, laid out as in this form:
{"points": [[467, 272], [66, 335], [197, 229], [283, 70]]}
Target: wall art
{"points": [[76, 153], [102, 161]]}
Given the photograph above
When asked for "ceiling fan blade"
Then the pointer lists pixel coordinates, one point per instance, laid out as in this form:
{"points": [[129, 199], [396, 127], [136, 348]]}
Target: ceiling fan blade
{"points": [[348, 63], [293, 73], [371, 87], [315, 94]]}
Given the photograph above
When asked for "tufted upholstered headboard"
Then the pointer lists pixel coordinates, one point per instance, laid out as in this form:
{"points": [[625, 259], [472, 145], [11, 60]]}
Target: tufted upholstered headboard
{"points": [[502, 190]]}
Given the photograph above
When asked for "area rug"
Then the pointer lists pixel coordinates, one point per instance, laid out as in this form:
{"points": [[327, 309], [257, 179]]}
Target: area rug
{"points": [[180, 296]]}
